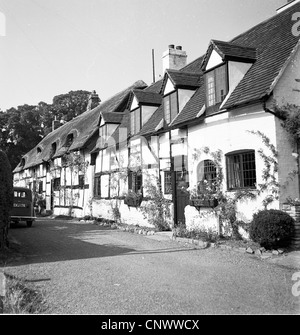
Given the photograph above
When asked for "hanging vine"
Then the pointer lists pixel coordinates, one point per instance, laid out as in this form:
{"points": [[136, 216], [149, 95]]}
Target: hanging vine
{"points": [[270, 182]]}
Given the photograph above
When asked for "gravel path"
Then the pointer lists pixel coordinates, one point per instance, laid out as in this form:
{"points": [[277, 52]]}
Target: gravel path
{"points": [[87, 269]]}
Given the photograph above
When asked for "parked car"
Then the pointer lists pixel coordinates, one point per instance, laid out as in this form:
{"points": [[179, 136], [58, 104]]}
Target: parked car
{"points": [[23, 208]]}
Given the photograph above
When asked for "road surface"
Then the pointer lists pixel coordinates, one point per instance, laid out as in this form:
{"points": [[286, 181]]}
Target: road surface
{"points": [[84, 268]]}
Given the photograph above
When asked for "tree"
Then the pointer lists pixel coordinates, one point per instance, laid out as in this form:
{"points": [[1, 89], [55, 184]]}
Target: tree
{"points": [[67, 106], [22, 128], [6, 197], [21, 131]]}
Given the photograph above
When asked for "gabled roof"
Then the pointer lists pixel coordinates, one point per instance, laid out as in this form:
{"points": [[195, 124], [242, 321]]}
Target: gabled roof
{"points": [[182, 79], [86, 124], [230, 51], [147, 97], [274, 44], [191, 109], [150, 126], [112, 117]]}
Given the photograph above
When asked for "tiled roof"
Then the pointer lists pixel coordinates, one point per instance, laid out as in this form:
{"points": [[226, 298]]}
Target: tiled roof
{"points": [[192, 108], [274, 42], [86, 124], [147, 97], [183, 79], [230, 51], [192, 68], [154, 87], [112, 117], [152, 123]]}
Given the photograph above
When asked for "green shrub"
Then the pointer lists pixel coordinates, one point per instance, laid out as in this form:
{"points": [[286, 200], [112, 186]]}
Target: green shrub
{"points": [[6, 197], [271, 228]]}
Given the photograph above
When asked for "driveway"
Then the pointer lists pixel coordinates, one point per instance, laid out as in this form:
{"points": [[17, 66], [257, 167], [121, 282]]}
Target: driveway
{"points": [[88, 269]]}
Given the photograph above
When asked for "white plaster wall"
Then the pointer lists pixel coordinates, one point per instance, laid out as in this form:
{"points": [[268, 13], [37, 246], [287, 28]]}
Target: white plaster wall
{"points": [[287, 89], [129, 215], [169, 87], [214, 60], [229, 132], [147, 112], [236, 72], [183, 97]]}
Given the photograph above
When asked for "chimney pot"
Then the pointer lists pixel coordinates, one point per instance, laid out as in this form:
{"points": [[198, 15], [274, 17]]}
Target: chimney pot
{"points": [[179, 47], [171, 46]]}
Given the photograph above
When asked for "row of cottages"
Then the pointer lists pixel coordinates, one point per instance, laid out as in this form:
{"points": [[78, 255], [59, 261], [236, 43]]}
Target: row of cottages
{"points": [[205, 122]]}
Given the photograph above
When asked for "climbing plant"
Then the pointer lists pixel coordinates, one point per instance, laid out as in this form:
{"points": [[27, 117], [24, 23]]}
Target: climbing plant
{"points": [[157, 208], [226, 209], [270, 184], [76, 164]]}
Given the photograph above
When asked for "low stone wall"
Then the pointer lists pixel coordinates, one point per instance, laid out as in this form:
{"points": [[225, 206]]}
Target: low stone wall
{"points": [[203, 219], [76, 212], [129, 215]]}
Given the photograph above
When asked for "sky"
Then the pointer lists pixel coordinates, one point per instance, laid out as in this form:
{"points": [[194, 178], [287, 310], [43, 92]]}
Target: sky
{"points": [[50, 47]]}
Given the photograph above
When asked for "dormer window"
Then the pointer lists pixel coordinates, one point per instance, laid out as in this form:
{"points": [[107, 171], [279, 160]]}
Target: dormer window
{"points": [[69, 140], [216, 82], [103, 132], [53, 149], [135, 121], [142, 107], [39, 150], [170, 106]]}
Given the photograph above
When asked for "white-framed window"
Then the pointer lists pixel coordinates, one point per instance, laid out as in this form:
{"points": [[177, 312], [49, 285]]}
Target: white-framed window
{"points": [[216, 85], [170, 106]]}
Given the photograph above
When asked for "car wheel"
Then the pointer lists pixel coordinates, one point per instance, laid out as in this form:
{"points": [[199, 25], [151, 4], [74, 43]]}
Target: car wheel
{"points": [[29, 224]]}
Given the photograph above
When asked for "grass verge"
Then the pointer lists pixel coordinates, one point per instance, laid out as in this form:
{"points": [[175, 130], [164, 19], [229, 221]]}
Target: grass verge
{"points": [[22, 298]]}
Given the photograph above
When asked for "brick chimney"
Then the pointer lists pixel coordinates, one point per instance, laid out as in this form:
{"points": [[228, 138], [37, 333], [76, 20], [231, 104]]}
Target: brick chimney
{"points": [[174, 58], [93, 101], [55, 123]]}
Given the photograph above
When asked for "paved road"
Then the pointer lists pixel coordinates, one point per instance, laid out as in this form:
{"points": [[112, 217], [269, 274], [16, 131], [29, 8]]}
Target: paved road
{"points": [[88, 269]]}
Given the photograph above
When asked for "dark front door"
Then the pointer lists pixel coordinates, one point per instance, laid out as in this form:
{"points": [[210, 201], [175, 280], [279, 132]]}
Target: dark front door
{"points": [[182, 196]]}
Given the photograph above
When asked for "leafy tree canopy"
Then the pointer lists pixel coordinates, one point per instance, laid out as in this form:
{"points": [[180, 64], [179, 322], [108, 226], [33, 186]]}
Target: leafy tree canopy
{"points": [[22, 128]]}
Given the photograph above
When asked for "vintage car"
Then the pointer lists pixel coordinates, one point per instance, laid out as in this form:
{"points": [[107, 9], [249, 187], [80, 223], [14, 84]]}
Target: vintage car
{"points": [[23, 208]]}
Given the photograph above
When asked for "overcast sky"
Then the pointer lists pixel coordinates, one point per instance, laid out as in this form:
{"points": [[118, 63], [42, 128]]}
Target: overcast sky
{"points": [[51, 47]]}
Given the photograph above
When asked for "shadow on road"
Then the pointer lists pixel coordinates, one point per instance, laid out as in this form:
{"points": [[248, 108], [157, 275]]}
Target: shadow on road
{"points": [[54, 241]]}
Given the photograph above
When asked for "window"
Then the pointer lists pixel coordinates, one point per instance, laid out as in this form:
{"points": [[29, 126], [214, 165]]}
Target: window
{"points": [[168, 182], [206, 175], [19, 194], [216, 85], [40, 187], [53, 149], [135, 181], [102, 185], [103, 132], [93, 158], [170, 107], [69, 140], [135, 121], [56, 184], [241, 170], [81, 181], [97, 186]]}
